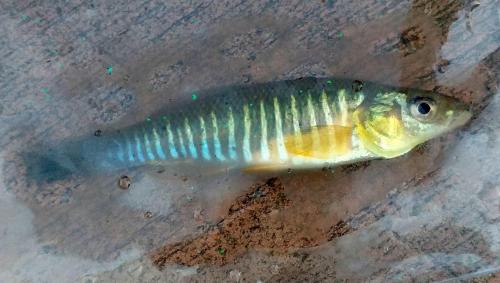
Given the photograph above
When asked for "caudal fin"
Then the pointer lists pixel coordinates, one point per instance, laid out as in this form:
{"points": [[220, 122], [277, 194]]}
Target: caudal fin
{"points": [[49, 165]]}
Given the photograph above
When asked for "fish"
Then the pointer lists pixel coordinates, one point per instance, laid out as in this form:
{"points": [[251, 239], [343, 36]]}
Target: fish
{"points": [[304, 123]]}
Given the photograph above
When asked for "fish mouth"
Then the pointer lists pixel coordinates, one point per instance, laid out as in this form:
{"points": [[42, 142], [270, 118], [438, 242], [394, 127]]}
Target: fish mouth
{"points": [[457, 121]]}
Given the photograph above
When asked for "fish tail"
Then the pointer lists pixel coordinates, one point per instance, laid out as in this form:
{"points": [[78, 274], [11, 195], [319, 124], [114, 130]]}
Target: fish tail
{"points": [[51, 164]]}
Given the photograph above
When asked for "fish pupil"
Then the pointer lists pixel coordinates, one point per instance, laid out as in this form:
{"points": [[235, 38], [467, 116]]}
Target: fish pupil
{"points": [[424, 108]]}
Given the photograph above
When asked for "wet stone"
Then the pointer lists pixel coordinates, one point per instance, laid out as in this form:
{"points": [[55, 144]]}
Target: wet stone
{"points": [[124, 182], [148, 214]]}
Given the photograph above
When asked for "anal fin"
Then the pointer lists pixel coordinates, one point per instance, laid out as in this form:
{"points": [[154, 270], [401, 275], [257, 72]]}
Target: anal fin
{"points": [[266, 167]]}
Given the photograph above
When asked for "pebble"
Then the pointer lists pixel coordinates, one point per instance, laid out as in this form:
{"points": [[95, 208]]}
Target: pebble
{"points": [[124, 182]]}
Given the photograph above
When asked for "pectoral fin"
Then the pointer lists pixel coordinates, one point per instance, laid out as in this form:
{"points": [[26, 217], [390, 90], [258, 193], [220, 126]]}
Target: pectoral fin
{"points": [[320, 142], [316, 144]]}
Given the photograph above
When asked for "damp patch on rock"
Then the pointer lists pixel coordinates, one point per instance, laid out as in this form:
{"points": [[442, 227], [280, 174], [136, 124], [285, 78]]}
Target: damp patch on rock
{"points": [[306, 70], [411, 40], [355, 166], [247, 45], [407, 42], [168, 75], [108, 105]]}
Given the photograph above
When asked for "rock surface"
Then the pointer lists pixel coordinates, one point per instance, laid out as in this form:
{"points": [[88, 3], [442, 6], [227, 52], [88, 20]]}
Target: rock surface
{"points": [[75, 67]]}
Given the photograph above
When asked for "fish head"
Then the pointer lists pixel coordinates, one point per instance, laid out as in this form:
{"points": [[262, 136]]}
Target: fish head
{"points": [[391, 123]]}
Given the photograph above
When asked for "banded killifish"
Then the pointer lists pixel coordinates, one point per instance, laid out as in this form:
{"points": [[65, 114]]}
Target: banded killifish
{"points": [[304, 123]]}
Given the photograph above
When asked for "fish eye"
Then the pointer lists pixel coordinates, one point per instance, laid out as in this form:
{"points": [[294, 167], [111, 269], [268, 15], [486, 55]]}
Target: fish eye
{"points": [[422, 108]]}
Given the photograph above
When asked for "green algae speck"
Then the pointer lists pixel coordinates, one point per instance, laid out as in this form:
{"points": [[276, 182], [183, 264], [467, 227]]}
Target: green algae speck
{"points": [[221, 251]]}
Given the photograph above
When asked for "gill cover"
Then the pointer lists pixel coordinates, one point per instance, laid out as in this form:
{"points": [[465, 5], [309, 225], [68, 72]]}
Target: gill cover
{"points": [[380, 127]]}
